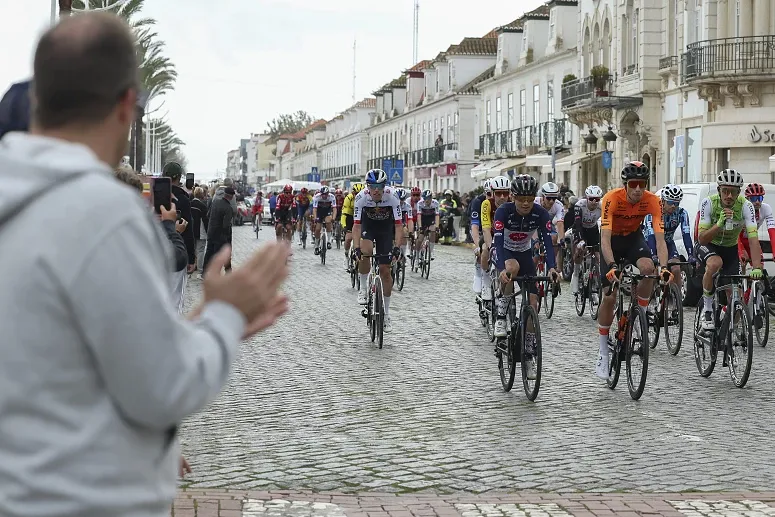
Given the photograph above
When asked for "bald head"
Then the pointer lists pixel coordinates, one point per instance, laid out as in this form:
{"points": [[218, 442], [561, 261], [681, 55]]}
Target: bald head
{"points": [[83, 67]]}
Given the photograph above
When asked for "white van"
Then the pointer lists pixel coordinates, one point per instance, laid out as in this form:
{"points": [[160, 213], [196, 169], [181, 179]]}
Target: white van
{"points": [[694, 193]]}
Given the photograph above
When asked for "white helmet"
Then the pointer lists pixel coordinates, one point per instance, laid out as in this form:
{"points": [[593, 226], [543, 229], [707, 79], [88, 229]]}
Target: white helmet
{"points": [[486, 185], [730, 178], [593, 191], [500, 183], [448, 192], [671, 192], [550, 190]]}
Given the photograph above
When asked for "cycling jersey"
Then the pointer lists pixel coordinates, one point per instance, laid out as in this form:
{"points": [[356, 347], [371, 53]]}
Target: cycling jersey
{"points": [[513, 232], [406, 210], [763, 215], [556, 211], [427, 210], [302, 200], [323, 202], [485, 214], [623, 218], [743, 215], [584, 217], [476, 209], [384, 210], [339, 200], [284, 202], [348, 204], [670, 223]]}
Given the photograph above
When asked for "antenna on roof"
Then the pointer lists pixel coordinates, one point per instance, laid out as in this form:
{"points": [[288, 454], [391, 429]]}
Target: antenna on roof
{"points": [[416, 32], [354, 45]]}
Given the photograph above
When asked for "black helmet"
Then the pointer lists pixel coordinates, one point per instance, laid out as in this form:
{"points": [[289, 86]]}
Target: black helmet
{"points": [[172, 170], [635, 171], [524, 185]]}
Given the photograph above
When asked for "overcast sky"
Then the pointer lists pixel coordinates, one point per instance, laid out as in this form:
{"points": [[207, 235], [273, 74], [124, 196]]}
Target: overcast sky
{"points": [[241, 62]]}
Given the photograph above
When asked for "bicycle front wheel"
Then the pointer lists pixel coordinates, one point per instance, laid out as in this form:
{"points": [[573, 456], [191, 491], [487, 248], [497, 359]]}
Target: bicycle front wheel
{"points": [[674, 319], [530, 351], [379, 311], [549, 299], [740, 345], [426, 264], [400, 274], [761, 319], [637, 351]]}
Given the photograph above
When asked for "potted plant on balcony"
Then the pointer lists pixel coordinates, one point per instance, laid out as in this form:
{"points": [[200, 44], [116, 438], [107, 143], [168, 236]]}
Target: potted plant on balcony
{"points": [[568, 79], [600, 76]]}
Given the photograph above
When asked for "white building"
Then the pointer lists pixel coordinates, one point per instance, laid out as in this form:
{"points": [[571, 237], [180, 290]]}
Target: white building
{"points": [[718, 89], [258, 158], [297, 153], [345, 151], [521, 121], [233, 164], [428, 117]]}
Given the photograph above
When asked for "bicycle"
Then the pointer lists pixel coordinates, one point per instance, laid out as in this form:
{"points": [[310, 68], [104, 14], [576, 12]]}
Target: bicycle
{"points": [[668, 303], [303, 234], [374, 312], [589, 280], [413, 254], [398, 272], [355, 278], [323, 244], [285, 234], [547, 291], [487, 307], [338, 234], [424, 256], [627, 343], [515, 345], [708, 342], [756, 293], [567, 260]]}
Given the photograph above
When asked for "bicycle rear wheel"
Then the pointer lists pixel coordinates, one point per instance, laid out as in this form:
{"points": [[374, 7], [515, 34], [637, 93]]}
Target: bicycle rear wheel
{"points": [[739, 332], [379, 311], [637, 350], [674, 315], [400, 274], [549, 301], [653, 321], [426, 263], [761, 319], [323, 247], [580, 300], [370, 306], [704, 345], [530, 318]]}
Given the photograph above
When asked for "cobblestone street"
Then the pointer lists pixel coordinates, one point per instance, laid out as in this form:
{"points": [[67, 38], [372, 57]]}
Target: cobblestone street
{"points": [[313, 405]]}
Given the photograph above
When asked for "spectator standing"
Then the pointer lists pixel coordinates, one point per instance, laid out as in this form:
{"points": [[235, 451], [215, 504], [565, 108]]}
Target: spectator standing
{"points": [[219, 224], [174, 171], [272, 205], [15, 109], [98, 369], [199, 223]]}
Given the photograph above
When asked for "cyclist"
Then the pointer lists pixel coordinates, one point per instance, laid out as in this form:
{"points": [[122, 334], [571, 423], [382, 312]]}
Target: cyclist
{"points": [[448, 207], [347, 220], [407, 216], [303, 201], [673, 217], [515, 222], [549, 199], [476, 235], [323, 212], [623, 211], [339, 195], [258, 209], [585, 231], [377, 216], [283, 215], [427, 212], [500, 188], [722, 217], [763, 211], [414, 198]]}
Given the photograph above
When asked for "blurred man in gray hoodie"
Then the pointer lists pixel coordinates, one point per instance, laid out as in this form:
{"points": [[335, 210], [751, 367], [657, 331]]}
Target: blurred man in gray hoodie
{"points": [[97, 367]]}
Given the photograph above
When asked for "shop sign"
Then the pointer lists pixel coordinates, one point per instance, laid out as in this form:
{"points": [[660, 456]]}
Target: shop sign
{"points": [[764, 136]]}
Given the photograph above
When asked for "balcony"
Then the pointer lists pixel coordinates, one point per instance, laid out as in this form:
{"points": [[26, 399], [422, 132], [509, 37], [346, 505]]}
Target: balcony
{"points": [[668, 63], [344, 171], [581, 95], [376, 163], [515, 141], [751, 57], [429, 155]]}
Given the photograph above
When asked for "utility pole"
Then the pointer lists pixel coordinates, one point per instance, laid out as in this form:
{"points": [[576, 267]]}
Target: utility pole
{"points": [[354, 45], [416, 33]]}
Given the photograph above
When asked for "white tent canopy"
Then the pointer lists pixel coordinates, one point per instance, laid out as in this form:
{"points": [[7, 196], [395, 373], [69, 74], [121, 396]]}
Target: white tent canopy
{"points": [[772, 163], [297, 185]]}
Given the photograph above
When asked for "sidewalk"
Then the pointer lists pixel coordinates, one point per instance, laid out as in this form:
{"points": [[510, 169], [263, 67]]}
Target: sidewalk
{"points": [[236, 503]]}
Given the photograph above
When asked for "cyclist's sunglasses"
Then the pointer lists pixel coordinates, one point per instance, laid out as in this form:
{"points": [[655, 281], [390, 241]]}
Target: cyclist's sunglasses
{"points": [[524, 199], [501, 193], [755, 199], [672, 203], [593, 199], [415, 195], [641, 184], [376, 186]]}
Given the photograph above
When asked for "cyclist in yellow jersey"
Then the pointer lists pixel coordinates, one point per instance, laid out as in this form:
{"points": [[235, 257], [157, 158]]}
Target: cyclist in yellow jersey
{"points": [[500, 187], [348, 209]]}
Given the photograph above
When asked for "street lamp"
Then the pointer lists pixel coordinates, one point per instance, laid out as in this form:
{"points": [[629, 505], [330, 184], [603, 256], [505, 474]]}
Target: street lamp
{"points": [[66, 8]]}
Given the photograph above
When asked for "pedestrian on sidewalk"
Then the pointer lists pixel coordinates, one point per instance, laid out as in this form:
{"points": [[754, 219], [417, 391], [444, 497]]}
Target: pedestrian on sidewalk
{"points": [[199, 222], [174, 171], [98, 369], [219, 225]]}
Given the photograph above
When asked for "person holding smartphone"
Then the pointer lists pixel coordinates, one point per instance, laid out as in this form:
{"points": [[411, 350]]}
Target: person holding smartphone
{"points": [[174, 171]]}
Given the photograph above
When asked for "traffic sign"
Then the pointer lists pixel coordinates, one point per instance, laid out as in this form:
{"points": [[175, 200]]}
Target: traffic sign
{"points": [[396, 175], [607, 159], [679, 151], [387, 165]]}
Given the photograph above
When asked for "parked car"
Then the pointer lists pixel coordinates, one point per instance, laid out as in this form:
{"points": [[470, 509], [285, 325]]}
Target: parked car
{"points": [[243, 212], [267, 214]]}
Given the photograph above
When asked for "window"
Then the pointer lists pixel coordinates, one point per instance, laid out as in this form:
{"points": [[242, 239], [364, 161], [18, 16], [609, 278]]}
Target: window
{"points": [[634, 37], [674, 41], [451, 75], [449, 128], [510, 107], [524, 38], [454, 132], [441, 129], [550, 100], [424, 135], [435, 129], [522, 108], [536, 104], [552, 21], [487, 117], [498, 114], [737, 18]]}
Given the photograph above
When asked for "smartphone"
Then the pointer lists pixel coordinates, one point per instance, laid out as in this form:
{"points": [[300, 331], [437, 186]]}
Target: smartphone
{"points": [[189, 180], [161, 192]]}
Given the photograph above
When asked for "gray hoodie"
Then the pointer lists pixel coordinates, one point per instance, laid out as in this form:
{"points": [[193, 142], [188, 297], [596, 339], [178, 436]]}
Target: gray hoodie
{"points": [[96, 366]]}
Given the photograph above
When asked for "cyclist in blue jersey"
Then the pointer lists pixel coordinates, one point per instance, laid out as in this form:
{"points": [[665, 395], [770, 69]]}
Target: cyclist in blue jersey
{"points": [[673, 217], [476, 235]]}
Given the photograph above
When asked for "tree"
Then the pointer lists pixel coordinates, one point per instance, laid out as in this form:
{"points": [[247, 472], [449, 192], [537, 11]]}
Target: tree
{"points": [[289, 123], [175, 155]]}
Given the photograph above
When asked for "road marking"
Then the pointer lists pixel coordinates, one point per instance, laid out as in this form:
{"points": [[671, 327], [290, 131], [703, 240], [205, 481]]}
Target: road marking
{"points": [[701, 508], [283, 508], [511, 510]]}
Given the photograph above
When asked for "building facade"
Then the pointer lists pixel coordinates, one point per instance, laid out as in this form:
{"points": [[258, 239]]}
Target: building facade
{"points": [[344, 154], [259, 156]]}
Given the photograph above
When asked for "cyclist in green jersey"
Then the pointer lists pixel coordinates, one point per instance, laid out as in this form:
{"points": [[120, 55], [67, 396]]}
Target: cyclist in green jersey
{"points": [[722, 217]]}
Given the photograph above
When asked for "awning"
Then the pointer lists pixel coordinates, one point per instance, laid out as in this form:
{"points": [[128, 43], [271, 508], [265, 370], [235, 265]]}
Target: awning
{"points": [[564, 163], [538, 160], [511, 164], [480, 171], [772, 163]]}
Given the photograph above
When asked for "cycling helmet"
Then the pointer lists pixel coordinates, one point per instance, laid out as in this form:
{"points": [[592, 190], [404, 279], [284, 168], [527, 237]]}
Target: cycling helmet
{"points": [[754, 189], [288, 188], [447, 192], [427, 194], [487, 188], [376, 177], [729, 178], [401, 193], [635, 171], [524, 185], [304, 190], [572, 200], [500, 183], [593, 191], [550, 190], [415, 190], [338, 192], [357, 187], [323, 191], [672, 192]]}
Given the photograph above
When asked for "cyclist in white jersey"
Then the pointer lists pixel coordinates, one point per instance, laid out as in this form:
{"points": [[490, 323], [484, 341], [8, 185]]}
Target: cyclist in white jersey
{"points": [[585, 230], [549, 199], [754, 193], [427, 218], [406, 216]]}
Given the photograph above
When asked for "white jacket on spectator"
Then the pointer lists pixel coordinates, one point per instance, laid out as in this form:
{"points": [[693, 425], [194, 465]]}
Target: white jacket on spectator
{"points": [[96, 367]]}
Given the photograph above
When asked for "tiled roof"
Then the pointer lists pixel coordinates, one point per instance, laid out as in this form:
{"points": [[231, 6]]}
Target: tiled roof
{"points": [[539, 13], [420, 66], [475, 47], [515, 26], [400, 82], [287, 148], [368, 102], [471, 88], [492, 34]]}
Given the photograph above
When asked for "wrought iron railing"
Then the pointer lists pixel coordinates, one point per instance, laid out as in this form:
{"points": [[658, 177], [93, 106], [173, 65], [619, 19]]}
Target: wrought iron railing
{"points": [[545, 134], [429, 155], [751, 55], [342, 171], [668, 62], [376, 163]]}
